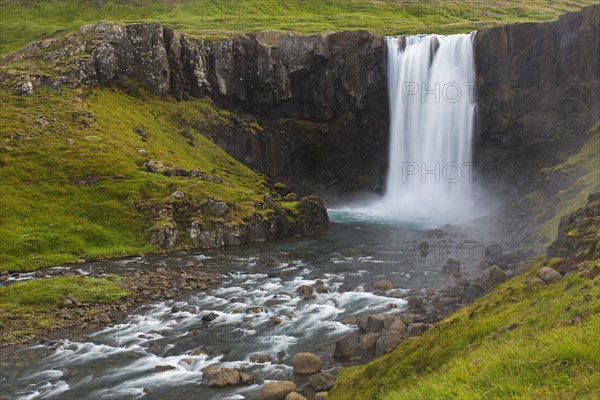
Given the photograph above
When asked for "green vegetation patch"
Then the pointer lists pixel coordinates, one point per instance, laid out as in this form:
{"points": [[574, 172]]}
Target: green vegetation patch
{"points": [[519, 341], [24, 21], [24, 305], [74, 181], [568, 185]]}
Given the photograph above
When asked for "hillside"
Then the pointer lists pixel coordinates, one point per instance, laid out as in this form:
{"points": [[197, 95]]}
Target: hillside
{"points": [[527, 338], [89, 173], [23, 22]]}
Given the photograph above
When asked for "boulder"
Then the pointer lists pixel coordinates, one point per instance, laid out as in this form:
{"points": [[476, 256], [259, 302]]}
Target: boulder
{"points": [[415, 303], [382, 285], [260, 358], [321, 382], [209, 317], [367, 342], [492, 277], [215, 376], [304, 290], [375, 323], [306, 363], [549, 275], [295, 396], [343, 348], [246, 379], [320, 396], [387, 342], [163, 368], [277, 390]]}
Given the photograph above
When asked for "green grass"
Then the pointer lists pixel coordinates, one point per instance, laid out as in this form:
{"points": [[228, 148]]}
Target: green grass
{"points": [[517, 342], [39, 294], [51, 215], [25, 305], [23, 22], [576, 177]]}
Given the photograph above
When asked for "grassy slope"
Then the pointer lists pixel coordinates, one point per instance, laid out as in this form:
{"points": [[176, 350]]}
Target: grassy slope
{"points": [[23, 21], [578, 175], [517, 342], [45, 219], [29, 301], [477, 353]]}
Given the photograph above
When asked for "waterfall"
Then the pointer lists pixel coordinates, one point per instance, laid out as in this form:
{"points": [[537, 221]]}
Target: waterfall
{"points": [[432, 116]]}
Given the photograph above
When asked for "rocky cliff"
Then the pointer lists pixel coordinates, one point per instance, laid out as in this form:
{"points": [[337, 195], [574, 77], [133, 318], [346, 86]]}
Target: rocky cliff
{"points": [[538, 87], [321, 100]]}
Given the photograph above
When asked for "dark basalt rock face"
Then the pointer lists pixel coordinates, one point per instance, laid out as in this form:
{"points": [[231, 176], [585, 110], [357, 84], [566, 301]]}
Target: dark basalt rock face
{"points": [[322, 99], [579, 232], [538, 88]]}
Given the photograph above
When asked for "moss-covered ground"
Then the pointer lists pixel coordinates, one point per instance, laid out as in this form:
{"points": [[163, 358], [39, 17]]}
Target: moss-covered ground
{"points": [[24, 305], [24, 21], [521, 341], [73, 179], [565, 186]]}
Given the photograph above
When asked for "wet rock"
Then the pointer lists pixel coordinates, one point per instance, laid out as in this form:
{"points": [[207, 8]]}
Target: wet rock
{"points": [[295, 396], [320, 287], [549, 275], [276, 390], [199, 352], [395, 325], [275, 320], [246, 379], [215, 376], [387, 342], [163, 368], [306, 363], [382, 285], [367, 342], [415, 303], [260, 358], [492, 277], [176, 308], [343, 348], [154, 348], [451, 267], [209, 317], [304, 290], [321, 382], [349, 321], [254, 310], [371, 323]]}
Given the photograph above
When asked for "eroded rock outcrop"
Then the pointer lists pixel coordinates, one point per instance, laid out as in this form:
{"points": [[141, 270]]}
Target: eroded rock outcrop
{"points": [[322, 99], [538, 88]]}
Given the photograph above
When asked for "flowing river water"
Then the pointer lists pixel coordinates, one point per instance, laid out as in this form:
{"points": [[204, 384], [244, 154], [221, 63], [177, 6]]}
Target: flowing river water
{"points": [[118, 362], [261, 281]]}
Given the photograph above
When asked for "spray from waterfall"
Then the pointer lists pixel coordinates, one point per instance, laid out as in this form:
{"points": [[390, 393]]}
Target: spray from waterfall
{"points": [[432, 116]]}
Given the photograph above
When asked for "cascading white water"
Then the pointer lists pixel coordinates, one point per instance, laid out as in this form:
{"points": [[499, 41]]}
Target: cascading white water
{"points": [[432, 115]]}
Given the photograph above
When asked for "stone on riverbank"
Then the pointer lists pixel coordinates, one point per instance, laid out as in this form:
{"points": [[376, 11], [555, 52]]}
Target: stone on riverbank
{"points": [[306, 363]]}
